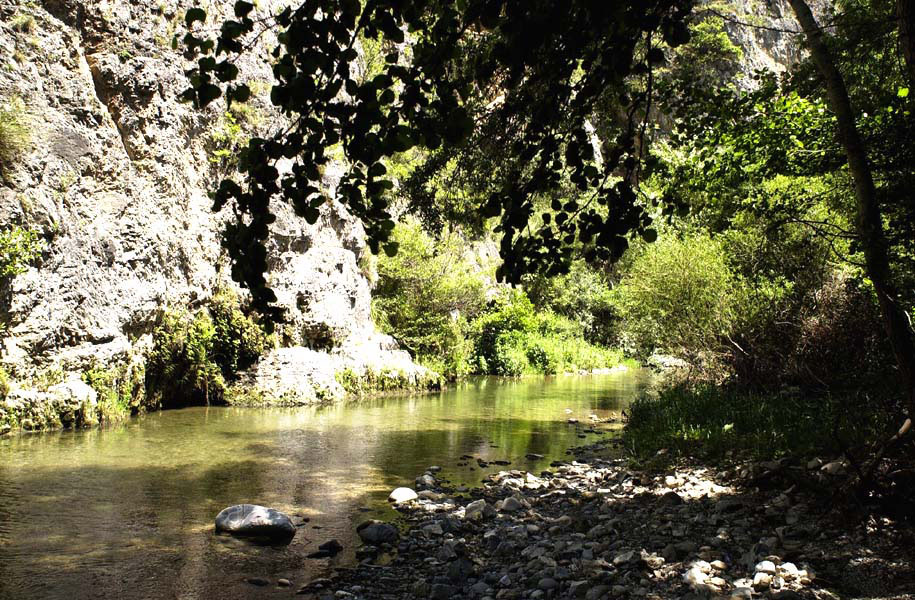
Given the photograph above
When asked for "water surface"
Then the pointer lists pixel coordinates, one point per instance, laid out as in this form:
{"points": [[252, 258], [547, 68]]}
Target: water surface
{"points": [[127, 512]]}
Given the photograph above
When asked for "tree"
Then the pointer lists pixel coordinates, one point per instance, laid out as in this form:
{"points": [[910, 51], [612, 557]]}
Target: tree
{"points": [[531, 70], [869, 222]]}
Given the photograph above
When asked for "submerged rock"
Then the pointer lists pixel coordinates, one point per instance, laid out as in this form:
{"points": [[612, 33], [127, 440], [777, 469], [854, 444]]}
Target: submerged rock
{"points": [[254, 521]]}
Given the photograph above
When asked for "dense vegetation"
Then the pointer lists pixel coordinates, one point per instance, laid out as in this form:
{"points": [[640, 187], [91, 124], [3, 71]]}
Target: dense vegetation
{"points": [[646, 193], [195, 359], [439, 299]]}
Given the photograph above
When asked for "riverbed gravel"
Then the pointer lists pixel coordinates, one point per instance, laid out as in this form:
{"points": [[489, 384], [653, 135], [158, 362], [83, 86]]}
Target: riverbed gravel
{"points": [[595, 528]]}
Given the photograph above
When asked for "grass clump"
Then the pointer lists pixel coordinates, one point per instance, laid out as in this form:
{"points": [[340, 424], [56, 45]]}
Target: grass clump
{"points": [[708, 421], [14, 133], [18, 248], [22, 23], [371, 381], [4, 383]]}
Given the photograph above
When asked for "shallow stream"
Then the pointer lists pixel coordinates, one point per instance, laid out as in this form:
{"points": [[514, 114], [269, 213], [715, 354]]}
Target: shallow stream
{"points": [[127, 512]]}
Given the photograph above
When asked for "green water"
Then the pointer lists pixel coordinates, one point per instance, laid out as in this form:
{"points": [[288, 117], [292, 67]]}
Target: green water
{"points": [[128, 512]]}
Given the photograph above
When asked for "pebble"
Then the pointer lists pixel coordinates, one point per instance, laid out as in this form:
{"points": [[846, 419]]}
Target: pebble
{"points": [[589, 531]]}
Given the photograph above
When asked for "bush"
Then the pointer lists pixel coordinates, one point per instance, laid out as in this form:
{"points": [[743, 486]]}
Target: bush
{"points": [[18, 247], [513, 339], [4, 383], [14, 133], [238, 341], [179, 368], [678, 297], [121, 389], [192, 359], [583, 296]]}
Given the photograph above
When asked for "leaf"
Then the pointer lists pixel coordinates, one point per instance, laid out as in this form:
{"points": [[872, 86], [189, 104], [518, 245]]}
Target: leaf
{"points": [[242, 8], [194, 14], [311, 215], [207, 93], [903, 92], [241, 93]]}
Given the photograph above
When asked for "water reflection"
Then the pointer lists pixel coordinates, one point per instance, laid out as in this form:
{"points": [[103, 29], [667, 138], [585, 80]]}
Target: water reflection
{"points": [[128, 512]]}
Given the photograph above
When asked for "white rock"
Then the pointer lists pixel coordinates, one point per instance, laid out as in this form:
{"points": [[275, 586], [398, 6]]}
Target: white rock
{"points": [[402, 494], [474, 510], [761, 581], [788, 570], [766, 566], [695, 577]]}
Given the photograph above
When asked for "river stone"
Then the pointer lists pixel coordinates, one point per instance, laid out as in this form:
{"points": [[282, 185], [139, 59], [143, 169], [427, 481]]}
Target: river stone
{"points": [[474, 510], [511, 504], [402, 494], [377, 532], [251, 520]]}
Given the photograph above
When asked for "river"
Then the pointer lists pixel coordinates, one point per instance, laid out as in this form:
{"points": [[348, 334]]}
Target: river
{"points": [[127, 512]]}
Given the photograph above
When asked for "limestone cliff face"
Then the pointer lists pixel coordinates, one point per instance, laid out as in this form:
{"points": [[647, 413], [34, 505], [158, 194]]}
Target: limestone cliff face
{"points": [[763, 30], [116, 178]]}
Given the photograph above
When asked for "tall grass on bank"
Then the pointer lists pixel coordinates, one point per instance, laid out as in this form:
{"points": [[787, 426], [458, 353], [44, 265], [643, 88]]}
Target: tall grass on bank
{"points": [[711, 421]]}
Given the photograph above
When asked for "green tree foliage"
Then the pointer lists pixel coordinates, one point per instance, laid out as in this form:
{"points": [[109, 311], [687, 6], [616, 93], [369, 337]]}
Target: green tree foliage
{"points": [[531, 69], [679, 297], [582, 295], [427, 294]]}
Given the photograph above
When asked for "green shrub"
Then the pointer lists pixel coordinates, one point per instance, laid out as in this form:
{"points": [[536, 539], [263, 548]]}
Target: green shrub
{"points": [[678, 297], [4, 383], [18, 247], [238, 341], [14, 133], [121, 389], [583, 296], [513, 339], [192, 359], [179, 368]]}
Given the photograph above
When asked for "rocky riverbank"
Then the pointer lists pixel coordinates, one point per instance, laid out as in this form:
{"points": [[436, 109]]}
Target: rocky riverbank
{"points": [[593, 528]]}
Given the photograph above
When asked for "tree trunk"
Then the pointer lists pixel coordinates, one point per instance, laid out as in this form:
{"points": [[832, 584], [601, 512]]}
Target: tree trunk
{"points": [[905, 12], [868, 222]]}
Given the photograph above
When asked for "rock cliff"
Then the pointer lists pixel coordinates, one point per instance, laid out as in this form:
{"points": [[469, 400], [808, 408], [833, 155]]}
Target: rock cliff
{"points": [[115, 177]]}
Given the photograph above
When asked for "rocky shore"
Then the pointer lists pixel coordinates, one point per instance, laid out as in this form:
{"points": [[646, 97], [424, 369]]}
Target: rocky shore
{"points": [[594, 528]]}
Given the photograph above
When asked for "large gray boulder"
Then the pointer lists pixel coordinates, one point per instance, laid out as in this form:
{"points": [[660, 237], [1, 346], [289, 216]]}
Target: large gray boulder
{"points": [[253, 521]]}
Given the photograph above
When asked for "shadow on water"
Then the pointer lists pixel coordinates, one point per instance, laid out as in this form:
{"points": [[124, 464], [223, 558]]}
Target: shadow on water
{"points": [[128, 512]]}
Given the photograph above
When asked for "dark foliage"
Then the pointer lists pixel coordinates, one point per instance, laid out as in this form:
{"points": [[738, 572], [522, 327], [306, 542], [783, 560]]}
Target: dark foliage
{"points": [[530, 72]]}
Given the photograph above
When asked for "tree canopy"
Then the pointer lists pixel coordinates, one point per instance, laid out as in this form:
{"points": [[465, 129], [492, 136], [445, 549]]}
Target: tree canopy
{"points": [[528, 73]]}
